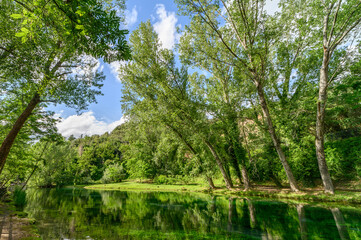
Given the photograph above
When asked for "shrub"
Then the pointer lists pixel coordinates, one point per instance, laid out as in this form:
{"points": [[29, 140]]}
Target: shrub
{"points": [[344, 158], [177, 179], [19, 197], [113, 173], [161, 179]]}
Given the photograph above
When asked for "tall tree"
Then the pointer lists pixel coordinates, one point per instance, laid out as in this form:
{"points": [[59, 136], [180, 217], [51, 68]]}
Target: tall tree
{"points": [[152, 82], [52, 53], [241, 27], [339, 23], [222, 98], [340, 20]]}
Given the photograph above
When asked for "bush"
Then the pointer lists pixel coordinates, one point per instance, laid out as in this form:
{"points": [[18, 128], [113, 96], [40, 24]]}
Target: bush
{"points": [[303, 161], [113, 173], [19, 197], [177, 179], [344, 158], [161, 179]]}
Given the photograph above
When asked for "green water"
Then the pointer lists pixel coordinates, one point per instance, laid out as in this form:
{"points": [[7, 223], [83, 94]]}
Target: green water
{"points": [[90, 214]]}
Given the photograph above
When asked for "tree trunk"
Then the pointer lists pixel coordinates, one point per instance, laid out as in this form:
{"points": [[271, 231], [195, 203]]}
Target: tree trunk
{"points": [[235, 164], [236, 149], [226, 177], [246, 182], [10, 138], [275, 140], [226, 168], [239, 156], [210, 182], [320, 126]]}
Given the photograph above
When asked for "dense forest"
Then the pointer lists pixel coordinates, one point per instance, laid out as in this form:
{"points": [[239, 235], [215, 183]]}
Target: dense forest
{"points": [[245, 98]]}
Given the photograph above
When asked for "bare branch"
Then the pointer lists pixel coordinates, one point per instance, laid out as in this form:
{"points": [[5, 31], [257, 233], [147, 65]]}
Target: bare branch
{"points": [[231, 21], [25, 6], [335, 44], [334, 22], [208, 20], [48, 100], [325, 26], [345, 24], [5, 49], [62, 74]]}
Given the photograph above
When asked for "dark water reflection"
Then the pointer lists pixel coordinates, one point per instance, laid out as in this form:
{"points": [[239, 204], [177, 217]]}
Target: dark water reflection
{"points": [[88, 214]]}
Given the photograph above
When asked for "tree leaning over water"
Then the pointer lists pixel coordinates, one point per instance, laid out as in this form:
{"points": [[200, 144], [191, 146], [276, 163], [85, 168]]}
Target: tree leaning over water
{"points": [[155, 89], [49, 49], [221, 91], [240, 27]]}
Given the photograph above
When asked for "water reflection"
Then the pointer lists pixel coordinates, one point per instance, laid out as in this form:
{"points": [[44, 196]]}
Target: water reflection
{"points": [[302, 221], [340, 223], [88, 214]]}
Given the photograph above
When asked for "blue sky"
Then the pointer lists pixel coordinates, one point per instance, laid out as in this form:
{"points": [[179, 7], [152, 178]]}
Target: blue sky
{"points": [[106, 114]]}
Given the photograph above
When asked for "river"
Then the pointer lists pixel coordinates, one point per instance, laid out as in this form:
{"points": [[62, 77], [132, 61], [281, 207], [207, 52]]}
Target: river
{"points": [[90, 214]]}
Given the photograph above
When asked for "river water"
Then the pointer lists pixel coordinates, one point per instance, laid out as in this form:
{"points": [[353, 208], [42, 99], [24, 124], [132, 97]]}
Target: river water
{"points": [[89, 214]]}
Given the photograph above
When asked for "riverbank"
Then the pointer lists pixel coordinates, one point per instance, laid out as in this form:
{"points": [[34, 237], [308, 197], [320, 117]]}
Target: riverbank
{"points": [[345, 195], [14, 224]]}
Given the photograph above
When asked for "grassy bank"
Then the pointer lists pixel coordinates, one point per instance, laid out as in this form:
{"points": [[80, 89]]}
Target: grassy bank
{"points": [[311, 194], [148, 187]]}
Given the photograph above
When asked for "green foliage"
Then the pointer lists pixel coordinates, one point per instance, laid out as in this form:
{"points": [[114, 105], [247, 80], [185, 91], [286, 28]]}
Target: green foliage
{"points": [[49, 51], [56, 167], [344, 158], [304, 163], [19, 197], [181, 125], [178, 179], [161, 179], [113, 174]]}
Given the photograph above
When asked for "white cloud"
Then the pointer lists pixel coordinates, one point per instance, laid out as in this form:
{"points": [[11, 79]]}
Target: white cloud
{"points": [[272, 6], [88, 64], [101, 68], [114, 68], [166, 26], [86, 124], [131, 17]]}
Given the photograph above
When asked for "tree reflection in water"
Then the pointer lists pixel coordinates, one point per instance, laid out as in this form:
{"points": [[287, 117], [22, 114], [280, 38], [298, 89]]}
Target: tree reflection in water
{"points": [[79, 214]]}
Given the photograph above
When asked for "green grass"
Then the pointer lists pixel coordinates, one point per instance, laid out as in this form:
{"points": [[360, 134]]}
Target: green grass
{"points": [[148, 187], [312, 195]]}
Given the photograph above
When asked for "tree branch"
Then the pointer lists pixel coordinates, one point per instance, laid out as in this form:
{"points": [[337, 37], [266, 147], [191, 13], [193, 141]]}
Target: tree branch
{"points": [[335, 44], [25, 6], [334, 22]]}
